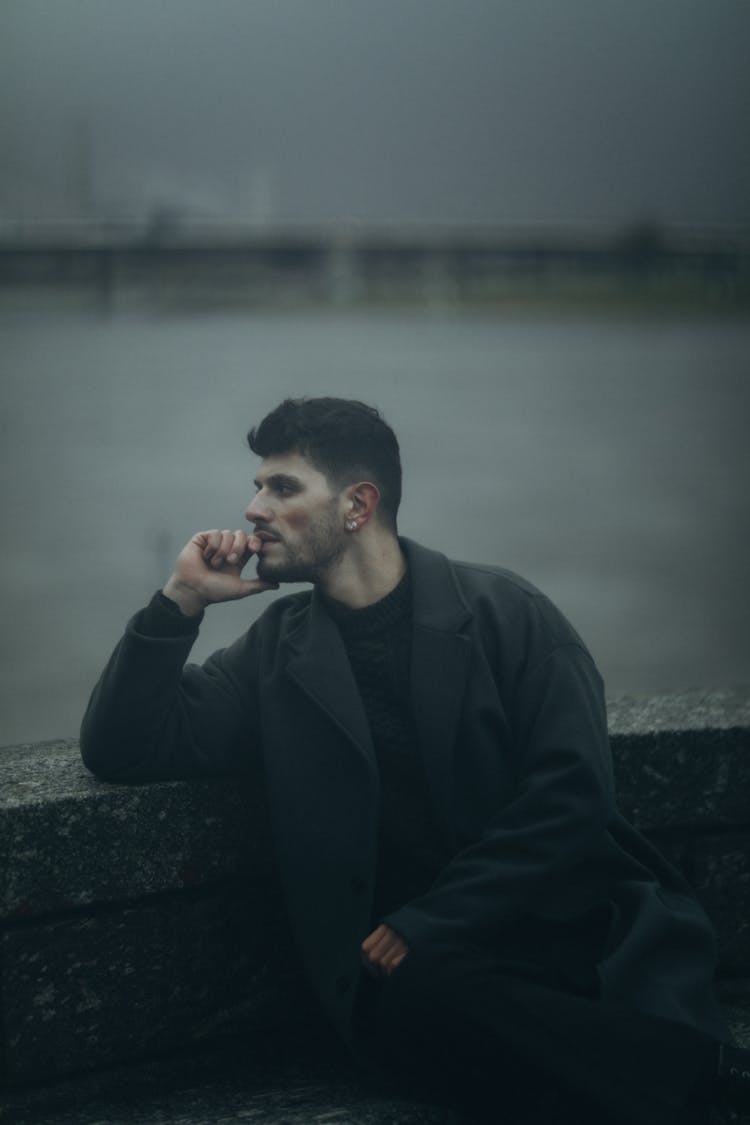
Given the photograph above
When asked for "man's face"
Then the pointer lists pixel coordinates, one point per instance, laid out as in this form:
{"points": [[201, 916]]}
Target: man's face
{"points": [[299, 519]]}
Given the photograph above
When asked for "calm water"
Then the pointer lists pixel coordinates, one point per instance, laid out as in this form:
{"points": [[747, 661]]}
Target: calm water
{"points": [[606, 459]]}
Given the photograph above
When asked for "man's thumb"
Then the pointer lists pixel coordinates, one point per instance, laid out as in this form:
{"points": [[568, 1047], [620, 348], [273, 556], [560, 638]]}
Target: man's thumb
{"points": [[249, 586]]}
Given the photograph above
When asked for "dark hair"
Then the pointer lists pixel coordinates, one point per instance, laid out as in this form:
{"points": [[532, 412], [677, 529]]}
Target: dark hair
{"points": [[344, 439]]}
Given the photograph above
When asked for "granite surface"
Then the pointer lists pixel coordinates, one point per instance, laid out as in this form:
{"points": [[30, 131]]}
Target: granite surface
{"points": [[67, 840], [93, 989], [694, 709], [254, 1080], [230, 1083], [95, 842], [136, 920], [688, 778], [683, 759], [228, 1103]]}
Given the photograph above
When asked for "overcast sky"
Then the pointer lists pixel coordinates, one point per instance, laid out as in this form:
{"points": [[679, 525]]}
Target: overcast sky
{"points": [[496, 111]]}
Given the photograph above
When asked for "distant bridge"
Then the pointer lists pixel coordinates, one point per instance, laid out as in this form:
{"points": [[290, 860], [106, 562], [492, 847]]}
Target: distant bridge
{"points": [[346, 263]]}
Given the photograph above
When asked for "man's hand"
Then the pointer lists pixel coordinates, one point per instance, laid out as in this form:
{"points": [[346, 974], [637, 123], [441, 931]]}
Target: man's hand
{"points": [[383, 951], [208, 570]]}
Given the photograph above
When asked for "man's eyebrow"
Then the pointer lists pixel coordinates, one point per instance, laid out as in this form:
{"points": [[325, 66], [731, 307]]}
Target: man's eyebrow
{"points": [[277, 480]]}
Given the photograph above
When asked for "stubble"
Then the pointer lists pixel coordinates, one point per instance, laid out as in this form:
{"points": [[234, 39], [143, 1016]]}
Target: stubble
{"points": [[309, 560]]}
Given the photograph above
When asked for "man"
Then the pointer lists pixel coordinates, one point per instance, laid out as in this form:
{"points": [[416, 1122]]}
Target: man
{"points": [[466, 899]]}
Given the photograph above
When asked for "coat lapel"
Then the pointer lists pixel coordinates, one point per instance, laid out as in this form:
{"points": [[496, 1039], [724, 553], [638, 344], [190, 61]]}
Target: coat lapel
{"points": [[320, 667], [441, 656]]}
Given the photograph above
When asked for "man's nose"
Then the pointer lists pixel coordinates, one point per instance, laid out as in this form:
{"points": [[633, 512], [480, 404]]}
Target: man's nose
{"points": [[258, 511]]}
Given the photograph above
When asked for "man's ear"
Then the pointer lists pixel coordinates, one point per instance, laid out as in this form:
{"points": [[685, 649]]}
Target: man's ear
{"points": [[362, 504]]}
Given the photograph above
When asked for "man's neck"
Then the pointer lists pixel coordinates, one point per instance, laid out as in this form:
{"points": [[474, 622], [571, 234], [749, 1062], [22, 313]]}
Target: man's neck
{"points": [[374, 565]]}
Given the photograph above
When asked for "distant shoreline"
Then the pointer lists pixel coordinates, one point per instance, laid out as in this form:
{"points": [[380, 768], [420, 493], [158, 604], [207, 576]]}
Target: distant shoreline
{"points": [[658, 302]]}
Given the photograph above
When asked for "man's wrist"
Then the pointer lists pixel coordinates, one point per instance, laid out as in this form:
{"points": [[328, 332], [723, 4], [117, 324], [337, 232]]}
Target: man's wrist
{"points": [[187, 601]]}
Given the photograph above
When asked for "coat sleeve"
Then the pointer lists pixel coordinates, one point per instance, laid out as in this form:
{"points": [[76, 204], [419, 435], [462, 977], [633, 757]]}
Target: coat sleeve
{"points": [[151, 717], [562, 802]]}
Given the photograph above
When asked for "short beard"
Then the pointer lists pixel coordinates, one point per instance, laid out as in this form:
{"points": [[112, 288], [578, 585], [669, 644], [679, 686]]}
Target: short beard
{"points": [[310, 561]]}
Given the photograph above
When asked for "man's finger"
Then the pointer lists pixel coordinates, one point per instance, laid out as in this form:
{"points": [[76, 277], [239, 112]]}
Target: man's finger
{"points": [[208, 541], [392, 962], [372, 939], [377, 948], [383, 951], [237, 548]]}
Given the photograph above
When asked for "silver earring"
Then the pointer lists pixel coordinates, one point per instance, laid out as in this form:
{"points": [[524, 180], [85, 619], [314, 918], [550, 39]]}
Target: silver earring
{"points": [[351, 525]]}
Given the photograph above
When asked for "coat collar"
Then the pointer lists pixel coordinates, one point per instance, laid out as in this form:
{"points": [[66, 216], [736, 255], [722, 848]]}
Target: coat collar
{"points": [[441, 657], [438, 602]]}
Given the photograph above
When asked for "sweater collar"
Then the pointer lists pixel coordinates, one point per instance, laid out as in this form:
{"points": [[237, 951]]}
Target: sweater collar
{"points": [[371, 619]]}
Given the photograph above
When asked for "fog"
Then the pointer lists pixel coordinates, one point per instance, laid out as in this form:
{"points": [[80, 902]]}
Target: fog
{"points": [[604, 458], [484, 111], [596, 443]]}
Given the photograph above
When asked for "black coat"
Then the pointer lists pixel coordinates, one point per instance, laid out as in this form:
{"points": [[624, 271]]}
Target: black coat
{"points": [[512, 728]]}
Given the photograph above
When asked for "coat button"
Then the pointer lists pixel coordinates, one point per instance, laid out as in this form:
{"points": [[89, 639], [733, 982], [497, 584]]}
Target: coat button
{"points": [[358, 884], [343, 984]]}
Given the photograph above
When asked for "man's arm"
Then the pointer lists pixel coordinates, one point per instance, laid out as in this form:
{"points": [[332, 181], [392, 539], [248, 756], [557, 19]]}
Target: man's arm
{"points": [[150, 717], [527, 855]]}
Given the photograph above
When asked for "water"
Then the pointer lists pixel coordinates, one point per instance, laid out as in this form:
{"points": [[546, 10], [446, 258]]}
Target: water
{"points": [[606, 459]]}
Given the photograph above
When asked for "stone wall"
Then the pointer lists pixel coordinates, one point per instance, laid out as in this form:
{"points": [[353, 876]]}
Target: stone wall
{"points": [[682, 767], [135, 920]]}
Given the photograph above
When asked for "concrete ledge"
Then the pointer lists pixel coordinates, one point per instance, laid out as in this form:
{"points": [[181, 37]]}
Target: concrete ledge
{"points": [[249, 1080], [683, 759], [136, 920], [93, 989], [68, 840], [229, 1081]]}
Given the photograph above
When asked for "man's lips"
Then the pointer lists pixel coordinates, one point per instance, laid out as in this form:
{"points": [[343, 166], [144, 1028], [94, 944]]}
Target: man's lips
{"points": [[266, 538]]}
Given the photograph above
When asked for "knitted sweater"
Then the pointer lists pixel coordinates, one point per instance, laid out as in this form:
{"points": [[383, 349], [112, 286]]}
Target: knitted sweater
{"points": [[378, 643]]}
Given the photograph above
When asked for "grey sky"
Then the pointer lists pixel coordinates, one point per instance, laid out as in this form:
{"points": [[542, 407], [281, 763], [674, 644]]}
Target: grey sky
{"points": [[530, 111]]}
